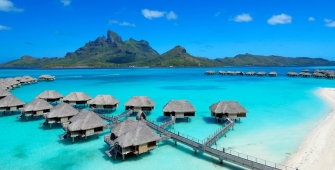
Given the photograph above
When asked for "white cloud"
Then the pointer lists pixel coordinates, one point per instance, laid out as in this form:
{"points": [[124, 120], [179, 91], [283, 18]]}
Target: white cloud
{"points": [[8, 6], [5, 27], [280, 19], [65, 2], [311, 19], [152, 13], [243, 18], [329, 22], [217, 14], [171, 15], [124, 23]]}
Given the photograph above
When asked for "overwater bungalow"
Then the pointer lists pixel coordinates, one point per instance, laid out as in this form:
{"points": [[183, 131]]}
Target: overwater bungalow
{"points": [[179, 109], [60, 114], [222, 72], [230, 73], [77, 98], [239, 73], [35, 108], [210, 72], [273, 74], [292, 74], [10, 103], [131, 136], [4, 93], [84, 124], [250, 73], [306, 75], [50, 96], [305, 71], [46, 77], [104, 102], [6, 86], [17, 79], [261, 73], [140, 103], [331, 76], [318, 75], [227, 109]]}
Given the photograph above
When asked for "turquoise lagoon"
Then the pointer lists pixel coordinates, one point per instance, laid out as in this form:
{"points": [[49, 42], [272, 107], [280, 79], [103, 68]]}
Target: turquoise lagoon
{"points": [[282, 111]]}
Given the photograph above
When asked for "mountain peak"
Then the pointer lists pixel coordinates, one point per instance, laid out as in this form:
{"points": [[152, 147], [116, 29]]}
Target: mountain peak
{"points": [[113, 38], [179, 49]]}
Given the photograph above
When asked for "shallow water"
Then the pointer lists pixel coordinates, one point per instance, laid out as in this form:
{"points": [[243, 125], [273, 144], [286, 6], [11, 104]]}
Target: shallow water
{"points": [[281, 112]]}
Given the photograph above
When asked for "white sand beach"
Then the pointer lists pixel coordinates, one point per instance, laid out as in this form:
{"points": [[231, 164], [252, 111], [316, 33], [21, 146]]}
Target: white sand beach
{"points": [[318, 149]]}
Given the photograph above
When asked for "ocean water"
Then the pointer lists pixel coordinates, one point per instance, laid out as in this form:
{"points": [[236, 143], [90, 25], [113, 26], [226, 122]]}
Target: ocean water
{"points": [[282, 111]]}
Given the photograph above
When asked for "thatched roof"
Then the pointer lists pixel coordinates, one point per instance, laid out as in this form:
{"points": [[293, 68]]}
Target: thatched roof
{"points": [[104, 100], [179, 106], [37, 105], [17, 78], [4, 93], [85, 120], [132, 132], [10, 101], [140, 101], [50, 94], [77, 96], [272, 72], [227, 107], [261, 73], [62, 110]]}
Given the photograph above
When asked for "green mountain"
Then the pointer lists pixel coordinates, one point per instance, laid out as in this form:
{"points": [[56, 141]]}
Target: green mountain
{"points": [[111, 51], [258, 60]]}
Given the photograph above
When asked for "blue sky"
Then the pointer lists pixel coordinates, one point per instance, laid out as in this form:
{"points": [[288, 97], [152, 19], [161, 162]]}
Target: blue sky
{"points": [[211, 28]]}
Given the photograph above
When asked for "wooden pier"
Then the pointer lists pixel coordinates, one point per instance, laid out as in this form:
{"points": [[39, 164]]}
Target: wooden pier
{"points": [[204, 146]]}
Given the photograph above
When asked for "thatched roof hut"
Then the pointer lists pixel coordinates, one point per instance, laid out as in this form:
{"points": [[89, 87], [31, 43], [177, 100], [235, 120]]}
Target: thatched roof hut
{"points": [[273, 74], [60, 114], [75, 98], [46, 77], [230, 109], [131, 136], [250, 73], [222, 72], [140, 103], [85, 123], [37, 107], [261, 73], [292, 74], [305, 71], [210, 72], [305, 74], [50, 96], [179, 109], [4, 93], [239, 73], [11, 103], [17, 79], [104, 102]]}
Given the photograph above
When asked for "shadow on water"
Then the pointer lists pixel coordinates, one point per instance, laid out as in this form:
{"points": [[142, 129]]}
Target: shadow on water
{"points": [[20, 152], [209, 120], [162, 119]]}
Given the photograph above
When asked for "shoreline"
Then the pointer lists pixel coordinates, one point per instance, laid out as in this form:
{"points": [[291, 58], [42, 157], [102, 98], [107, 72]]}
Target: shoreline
{"points": [[318, 149]]}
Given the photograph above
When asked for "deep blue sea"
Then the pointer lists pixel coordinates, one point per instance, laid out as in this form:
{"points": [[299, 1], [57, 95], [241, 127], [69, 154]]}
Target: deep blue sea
{"points": [[282, 111]]}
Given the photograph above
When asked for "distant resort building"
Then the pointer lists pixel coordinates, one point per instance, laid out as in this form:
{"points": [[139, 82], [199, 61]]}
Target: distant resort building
{"points": [[179, 109], [10, 103], [222, 72], [77, 98], [60, 114], [46, 77], [140, 103], [261, 73], [131, 136], [273, 74], [305, 71], [50, 96], [227, 109], [37, 107], [250, 73], [83, 124], [292, 74], [210, 72], [104, 102]]}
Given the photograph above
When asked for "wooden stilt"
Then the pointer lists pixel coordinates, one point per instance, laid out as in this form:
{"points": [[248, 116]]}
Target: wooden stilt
{"points": [[122, 157], [72, 139]]}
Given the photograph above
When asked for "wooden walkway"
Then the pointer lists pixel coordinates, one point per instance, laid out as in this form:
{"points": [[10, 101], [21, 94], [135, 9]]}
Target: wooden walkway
{"points": [[115, 119], [169, 122], [204, 146], [220, 132]]}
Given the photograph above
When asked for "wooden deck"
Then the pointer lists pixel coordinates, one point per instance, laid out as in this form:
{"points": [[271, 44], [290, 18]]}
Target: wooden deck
{"points": [[204, 146]]}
